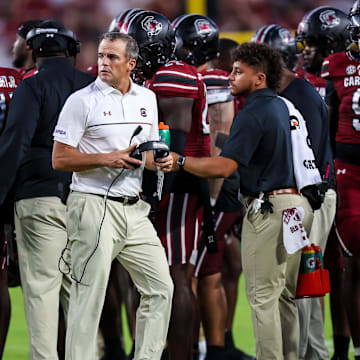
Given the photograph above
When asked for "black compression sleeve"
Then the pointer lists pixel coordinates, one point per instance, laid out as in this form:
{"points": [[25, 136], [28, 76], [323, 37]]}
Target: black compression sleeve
{"points": [[178, 140]]}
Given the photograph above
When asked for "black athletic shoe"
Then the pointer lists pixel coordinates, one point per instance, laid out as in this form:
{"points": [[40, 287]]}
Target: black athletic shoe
{"points": [[340, 357], [236, 354]]}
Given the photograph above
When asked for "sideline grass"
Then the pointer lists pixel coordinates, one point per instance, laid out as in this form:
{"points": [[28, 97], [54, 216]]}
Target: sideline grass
{"points": [[17, 342]]}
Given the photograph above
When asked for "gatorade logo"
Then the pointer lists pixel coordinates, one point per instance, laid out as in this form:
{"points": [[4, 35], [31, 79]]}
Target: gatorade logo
{"points": [[311, 263]]}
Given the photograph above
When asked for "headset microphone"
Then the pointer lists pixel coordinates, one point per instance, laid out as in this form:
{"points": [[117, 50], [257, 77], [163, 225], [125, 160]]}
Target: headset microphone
{"points": [[137, 131]]}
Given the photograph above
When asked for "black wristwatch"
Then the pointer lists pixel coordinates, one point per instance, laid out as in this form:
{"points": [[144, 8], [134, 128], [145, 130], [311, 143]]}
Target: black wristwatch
{"points": [[180, 161]]}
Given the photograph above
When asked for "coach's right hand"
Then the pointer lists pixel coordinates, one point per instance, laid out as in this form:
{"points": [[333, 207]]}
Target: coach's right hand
{"points": [[122, 159]]}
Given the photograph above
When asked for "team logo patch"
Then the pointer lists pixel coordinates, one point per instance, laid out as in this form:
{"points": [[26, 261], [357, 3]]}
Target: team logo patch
{"points": [[329, 19], [351, 69], [203, 27], [143, 112], [286, 36], [151, 26]]}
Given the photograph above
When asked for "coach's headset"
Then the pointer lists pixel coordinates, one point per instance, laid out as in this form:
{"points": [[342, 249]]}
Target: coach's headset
{"points": [[51, 38]]}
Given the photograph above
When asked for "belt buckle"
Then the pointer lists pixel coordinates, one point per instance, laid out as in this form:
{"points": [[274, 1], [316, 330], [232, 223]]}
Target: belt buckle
{"points": [[126, 199]]}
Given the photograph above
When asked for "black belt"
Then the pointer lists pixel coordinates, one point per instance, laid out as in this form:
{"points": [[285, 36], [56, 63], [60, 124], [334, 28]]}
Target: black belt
{"points": [[126, 200]]}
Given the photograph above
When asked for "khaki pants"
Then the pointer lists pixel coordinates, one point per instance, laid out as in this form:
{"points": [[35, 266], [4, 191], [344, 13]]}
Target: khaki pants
{"points": [[312, 341], [128, 235], [270, 278], [41, 236]]}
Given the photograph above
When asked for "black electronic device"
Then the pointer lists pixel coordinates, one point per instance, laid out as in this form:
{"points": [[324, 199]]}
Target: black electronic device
{"points": [[159, 148]]}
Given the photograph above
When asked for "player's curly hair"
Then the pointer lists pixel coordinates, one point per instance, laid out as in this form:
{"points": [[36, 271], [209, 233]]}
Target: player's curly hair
{"points": [[262, 58]]}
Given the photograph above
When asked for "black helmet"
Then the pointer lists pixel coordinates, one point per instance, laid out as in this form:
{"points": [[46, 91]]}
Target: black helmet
{"points": [[280, 39], [326, 26], [155, 37], [354, 27], [51, 37], [118, 21], [197, 39]]}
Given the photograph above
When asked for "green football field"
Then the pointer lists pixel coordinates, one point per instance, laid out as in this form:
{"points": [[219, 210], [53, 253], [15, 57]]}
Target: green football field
{"points": [[17, 342]]}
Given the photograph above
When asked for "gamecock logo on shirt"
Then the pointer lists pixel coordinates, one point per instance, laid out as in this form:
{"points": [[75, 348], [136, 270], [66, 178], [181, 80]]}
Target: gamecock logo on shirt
{"points": [[151, 26], [203, 27], [329, 19]]}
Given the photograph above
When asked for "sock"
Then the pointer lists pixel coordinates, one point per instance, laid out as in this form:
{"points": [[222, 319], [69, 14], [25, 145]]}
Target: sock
{"points": [[341, 345], [215, 352], [229, 342]]}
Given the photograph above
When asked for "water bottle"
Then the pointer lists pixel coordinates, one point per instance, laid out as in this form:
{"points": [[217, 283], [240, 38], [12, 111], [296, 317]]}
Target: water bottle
{"points": [[308, 260], [164, 133]]}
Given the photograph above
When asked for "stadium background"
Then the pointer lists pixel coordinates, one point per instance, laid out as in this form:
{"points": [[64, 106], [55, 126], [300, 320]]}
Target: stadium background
{"points": [[237, 19]]}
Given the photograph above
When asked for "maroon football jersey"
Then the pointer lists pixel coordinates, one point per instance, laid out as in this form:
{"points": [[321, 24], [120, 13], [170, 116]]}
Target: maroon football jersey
{"points": [[178, 79], [344, 71], [316, 81], [9, 79]]}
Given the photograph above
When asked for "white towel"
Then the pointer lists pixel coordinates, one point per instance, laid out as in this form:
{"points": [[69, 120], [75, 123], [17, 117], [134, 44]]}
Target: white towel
{"points": [[294, 233], [305, 169]]}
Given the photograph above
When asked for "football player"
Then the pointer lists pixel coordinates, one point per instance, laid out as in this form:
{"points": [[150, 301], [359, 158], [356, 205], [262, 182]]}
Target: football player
{"points": [[321, 32], [341, 71], [10, 78], [182, 104], [21, 52]]}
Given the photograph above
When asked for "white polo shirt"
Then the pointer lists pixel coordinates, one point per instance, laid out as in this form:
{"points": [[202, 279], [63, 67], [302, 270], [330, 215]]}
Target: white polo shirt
{"points": [[100, 119]]}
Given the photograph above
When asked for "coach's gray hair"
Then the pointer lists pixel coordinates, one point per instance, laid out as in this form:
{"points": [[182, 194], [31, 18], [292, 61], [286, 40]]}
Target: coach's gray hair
{"points": [[132, 48]]}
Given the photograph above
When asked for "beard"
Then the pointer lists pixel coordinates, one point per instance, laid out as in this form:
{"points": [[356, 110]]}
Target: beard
{"points": [[19, 61]]}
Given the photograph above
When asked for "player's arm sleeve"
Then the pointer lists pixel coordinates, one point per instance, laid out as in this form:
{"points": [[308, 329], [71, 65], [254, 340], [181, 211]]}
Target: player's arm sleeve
{"points": [[22, 121], [245, 135], [72, 121]]}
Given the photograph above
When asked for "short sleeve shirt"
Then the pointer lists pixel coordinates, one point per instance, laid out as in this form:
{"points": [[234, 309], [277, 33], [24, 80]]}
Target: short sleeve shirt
{"points": [[100, 119], [260, 142]]}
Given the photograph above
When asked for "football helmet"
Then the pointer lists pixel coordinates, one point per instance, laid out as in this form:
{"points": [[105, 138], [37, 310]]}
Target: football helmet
{"points": [[280, 39], [197, 39], [155, 37], [354, 26], [118, 21], [324, 26], [51, 37]]}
